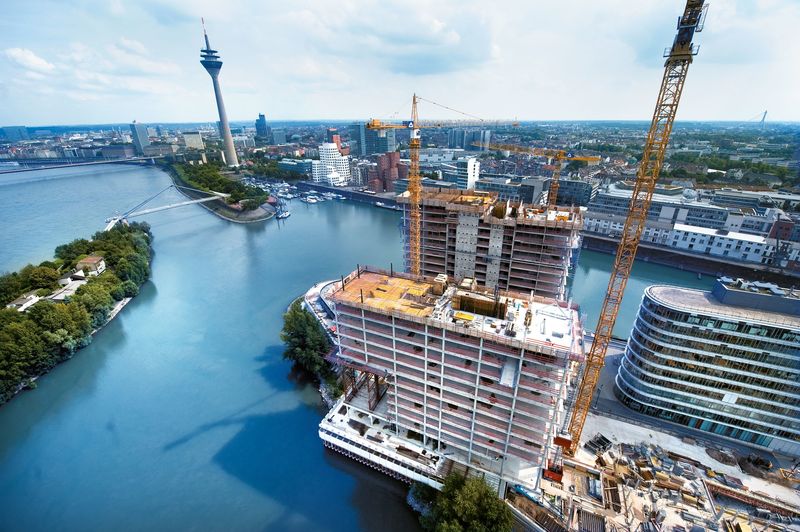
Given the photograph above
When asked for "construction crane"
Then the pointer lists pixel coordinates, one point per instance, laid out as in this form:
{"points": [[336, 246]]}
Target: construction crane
{"points": [[414, 182], [679, 57], [558, 157]]}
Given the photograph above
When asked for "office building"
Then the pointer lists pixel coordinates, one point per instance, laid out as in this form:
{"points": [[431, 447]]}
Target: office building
{"points": [[531, 190], [193, 140], [140, 137], [725, 362], [444, 376], [401, 185], [278, 136], [15, 133], [332, 168], [262, 129], [576, 192], [521, 248], [298, 166], [464, 173], [213, 64], [468, 138], [364, 142]]}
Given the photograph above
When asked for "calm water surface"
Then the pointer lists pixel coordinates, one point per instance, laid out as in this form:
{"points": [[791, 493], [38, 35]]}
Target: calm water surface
{"points": [[181, 414]]}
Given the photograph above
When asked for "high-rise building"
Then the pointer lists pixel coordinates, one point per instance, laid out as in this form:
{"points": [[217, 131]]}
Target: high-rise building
{"points": [[464, 173], [332, 168], [262, 129], [278, 136], [443, 376], [357, 132], [467, 138], [366, 142], [15, 133], [380, 141], [193, 140], [517, 247], [140, 137], [211, 62], [726, 361]]}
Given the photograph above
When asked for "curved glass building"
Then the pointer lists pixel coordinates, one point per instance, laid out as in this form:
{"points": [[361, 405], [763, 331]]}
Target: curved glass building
{"points": [[726, 362]]}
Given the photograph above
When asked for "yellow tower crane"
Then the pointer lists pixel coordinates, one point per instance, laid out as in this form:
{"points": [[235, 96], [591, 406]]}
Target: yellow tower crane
{"points": [[414, 182], [679, 57], [558, 157]]}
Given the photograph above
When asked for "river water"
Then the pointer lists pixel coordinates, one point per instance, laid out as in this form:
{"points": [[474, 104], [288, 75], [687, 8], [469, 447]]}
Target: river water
{"points": [[182, 414]]}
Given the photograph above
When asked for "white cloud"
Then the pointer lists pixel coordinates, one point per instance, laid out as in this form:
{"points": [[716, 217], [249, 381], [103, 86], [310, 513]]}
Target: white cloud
{"points": [[132, 45], [583, 59], [28, 59]]}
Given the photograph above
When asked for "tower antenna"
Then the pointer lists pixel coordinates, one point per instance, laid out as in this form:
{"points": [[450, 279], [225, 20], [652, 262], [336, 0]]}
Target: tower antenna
{"points": [[205, 35]]}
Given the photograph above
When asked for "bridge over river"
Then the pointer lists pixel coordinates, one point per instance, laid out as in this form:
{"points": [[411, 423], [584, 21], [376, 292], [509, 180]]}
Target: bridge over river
{"points": [[138, 210]]}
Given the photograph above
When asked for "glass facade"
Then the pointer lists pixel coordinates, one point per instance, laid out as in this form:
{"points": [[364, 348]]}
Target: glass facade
{"points": [[713, 370]]}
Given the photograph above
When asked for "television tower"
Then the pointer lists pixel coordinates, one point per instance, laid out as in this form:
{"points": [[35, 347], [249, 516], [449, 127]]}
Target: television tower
{"points": [[212, 63]]}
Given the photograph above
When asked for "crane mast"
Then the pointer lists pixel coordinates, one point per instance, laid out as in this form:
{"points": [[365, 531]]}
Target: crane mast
{"points": [[414, 191], [414, 181], [679, 57]]}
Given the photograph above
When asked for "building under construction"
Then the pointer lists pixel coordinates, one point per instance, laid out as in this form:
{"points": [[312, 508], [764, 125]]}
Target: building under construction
{"points": [[443, 376], [500, 244]]}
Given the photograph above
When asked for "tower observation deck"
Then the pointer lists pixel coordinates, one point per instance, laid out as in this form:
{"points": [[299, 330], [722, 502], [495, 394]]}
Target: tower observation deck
{"points": [[211, 61]]}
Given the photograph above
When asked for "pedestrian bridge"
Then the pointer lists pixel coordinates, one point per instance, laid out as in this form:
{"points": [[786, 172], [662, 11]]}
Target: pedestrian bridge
{"points": [[138, 210]]}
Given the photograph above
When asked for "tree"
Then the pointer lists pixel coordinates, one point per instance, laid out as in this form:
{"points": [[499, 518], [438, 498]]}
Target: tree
{"points": [[467, 505], [96, 299], [42, 277], [305, 341], [10, 288]]}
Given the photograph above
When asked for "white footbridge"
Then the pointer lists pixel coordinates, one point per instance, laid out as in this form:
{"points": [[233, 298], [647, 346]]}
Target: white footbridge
{"points": [[139, 211]]}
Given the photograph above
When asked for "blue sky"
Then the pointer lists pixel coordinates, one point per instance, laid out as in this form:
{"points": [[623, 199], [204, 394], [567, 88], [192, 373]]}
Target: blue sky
{"points": [[82, 61]]}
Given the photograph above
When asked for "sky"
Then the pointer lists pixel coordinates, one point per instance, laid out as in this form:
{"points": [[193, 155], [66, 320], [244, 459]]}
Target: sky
{"points": [[110, 61]]}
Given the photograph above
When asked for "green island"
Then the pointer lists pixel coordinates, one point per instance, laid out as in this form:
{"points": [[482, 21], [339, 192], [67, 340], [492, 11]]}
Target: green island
{"points": [[245, 203], [51, 310]]}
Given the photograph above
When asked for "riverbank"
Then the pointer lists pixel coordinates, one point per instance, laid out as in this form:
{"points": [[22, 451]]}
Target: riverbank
{"points": [[692, 262], [219, 207], [53, 310]]}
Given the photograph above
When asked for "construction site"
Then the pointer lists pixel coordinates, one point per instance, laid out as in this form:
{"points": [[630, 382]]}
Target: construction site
{"points": [[511, 246], [474, 361]]}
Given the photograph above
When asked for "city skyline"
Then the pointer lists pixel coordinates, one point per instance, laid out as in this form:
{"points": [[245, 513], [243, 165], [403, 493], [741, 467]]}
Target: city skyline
{"points": [[118, 62]]}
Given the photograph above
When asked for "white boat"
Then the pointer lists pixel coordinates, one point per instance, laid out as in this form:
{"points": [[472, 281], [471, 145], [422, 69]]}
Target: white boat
{"points": [[284, 214]]}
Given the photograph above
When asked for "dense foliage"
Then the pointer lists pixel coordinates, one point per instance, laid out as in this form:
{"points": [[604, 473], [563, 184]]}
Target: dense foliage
{"points": [[269, 168], [467, 505], [307, 345], [33, 342], [208, 177]]}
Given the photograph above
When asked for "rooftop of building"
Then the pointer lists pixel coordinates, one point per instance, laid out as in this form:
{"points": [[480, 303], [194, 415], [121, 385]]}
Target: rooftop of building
{"points": [[489, 204], [723, 233], [747, 309], [91, 259], [664, 195], [501, 316]]}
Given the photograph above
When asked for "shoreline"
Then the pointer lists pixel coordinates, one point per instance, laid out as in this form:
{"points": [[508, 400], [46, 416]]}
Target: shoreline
{"points": [[689, 262], [121, 304], [176, 180]]}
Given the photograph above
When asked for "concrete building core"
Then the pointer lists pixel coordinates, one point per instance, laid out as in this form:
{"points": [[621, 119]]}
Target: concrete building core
{"points": [[213, 64], [500, 244], [443, 376]]}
